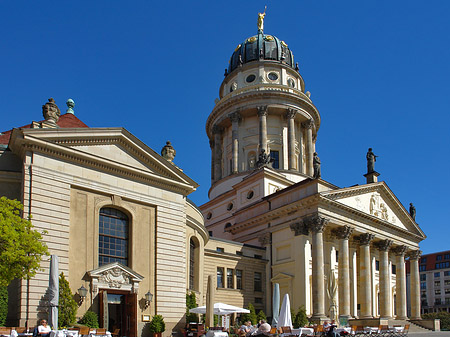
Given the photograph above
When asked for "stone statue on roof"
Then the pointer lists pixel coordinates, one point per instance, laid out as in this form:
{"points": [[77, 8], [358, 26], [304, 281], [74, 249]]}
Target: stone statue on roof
{"points": [[412, 211], [51, 111], [261, 20], [371, 159], [168, 152]]}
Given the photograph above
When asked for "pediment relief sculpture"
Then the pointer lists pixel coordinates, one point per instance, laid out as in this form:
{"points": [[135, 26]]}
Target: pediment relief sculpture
{"points": [[115, 278]]}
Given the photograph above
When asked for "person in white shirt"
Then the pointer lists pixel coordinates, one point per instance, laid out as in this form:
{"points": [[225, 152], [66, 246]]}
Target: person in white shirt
{"points": [[43, 329]]}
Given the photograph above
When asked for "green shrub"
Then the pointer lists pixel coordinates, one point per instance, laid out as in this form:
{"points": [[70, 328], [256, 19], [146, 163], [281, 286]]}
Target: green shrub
{"points": [[300, 318], [250, 316], [157, 324], [443, 316], [90, 319], [67, 310], [3, 304], [191, 302], [261, 316]]}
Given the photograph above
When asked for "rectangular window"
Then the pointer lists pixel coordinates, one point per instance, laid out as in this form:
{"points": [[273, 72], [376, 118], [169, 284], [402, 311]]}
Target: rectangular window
{"points": [[210, 233], [439, 258], [423, 277], [238, 279], [258, 300], [423, 260], [437, 301], [257, 282], [337, 256], [423, 285], [258, 256], [423, 294], [394, 269], [377, 265], [422, 268], [437, 292], [446, 256], [219, 250], [437, 283], [219, 277], [230, 283], [447, 273], [438, 274], [447, 291], [275, 156], [447, 300], [447, 282]]}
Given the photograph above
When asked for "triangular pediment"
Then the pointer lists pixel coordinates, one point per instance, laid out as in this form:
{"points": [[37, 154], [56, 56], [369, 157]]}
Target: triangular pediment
{"points": [[280, 277], [109, 149], [115, 276], [378, 202]]}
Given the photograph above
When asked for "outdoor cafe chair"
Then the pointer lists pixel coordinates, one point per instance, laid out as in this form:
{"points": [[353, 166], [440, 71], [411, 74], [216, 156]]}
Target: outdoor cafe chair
{"points": [[358, 330], [115, 333], [383, 330], [405, 331], [20, 329], [5, 331], [84, 331], [100, 332], [318, 330], [287, 331]]}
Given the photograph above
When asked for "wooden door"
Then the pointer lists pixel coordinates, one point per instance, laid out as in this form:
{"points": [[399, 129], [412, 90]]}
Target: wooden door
{"points": [[131, 315]]}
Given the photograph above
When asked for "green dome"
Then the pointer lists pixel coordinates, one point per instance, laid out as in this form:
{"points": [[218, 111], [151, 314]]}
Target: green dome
{"points": [[261, 47]]}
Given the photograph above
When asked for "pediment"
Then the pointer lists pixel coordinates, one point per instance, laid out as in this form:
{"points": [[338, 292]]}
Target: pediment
{"points": [[377, 201], [280, 277], [115, 276], [109, 149]]}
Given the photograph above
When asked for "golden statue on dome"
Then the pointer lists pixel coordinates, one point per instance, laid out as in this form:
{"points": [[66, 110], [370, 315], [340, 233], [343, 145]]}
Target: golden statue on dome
{"points": [[261, 20]]}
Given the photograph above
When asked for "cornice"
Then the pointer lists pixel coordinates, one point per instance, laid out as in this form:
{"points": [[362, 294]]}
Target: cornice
{"points": [[88, 160]]}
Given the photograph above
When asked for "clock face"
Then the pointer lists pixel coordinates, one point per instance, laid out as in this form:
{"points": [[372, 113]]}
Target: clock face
{"points": [[273, 76]]}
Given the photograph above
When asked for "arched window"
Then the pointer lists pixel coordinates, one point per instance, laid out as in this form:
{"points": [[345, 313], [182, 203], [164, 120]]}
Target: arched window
{"points": [[191, 264], [113, 237]]}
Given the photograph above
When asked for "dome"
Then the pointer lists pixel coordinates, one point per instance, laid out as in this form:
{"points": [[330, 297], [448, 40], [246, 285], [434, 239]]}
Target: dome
{"points": [[261, 47]]}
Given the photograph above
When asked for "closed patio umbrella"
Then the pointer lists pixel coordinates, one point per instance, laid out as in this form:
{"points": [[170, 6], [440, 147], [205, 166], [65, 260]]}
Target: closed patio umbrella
{"points": [[220, 309], [53, 292], [285, 313], [209, 310], [275, 304]]}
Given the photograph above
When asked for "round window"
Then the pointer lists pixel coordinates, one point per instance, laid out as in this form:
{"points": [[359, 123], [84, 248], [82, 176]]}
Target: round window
{"points": [[250, 195], [209, 215], [250, 78], [230, 206], [291, 82], [273, 76]]}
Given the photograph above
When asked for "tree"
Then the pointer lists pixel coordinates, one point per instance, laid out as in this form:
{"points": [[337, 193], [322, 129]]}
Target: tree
{"points": [[3, 304], [67, 310], [250, 316], [191, 302], [89, 319], [21, 246], [261, 316], [443, 316], [300, 318]]}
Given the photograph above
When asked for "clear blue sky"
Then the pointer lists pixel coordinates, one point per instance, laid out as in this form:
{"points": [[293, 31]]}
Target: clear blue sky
{"points": [[378, 71]]}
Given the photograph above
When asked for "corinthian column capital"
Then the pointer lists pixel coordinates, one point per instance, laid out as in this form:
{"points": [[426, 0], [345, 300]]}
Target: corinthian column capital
{"points": [[290, 114], [317, 223], [264, 239], [309, 124], [262, 110], [235, 116], [366, 238], [384, 245], [343, 232], [300, 228], [415, 254], [400, 250], [217, 129]]}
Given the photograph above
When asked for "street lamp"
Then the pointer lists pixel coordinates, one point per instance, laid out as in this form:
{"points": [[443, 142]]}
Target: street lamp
{"points": [[148, 298], [82, 291]]}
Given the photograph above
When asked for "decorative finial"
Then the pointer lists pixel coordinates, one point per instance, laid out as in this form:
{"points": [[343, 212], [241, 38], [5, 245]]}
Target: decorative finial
{"points": [[168, 152], [51, 111], [261, 20], [70, 105]]}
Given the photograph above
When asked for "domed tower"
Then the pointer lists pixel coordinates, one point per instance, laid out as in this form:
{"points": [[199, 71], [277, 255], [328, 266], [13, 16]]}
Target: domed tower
{"points": [[263, 109]]}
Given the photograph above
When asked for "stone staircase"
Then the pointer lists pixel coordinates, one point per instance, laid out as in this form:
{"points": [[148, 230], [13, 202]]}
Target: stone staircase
{"points": [[413, 327]]}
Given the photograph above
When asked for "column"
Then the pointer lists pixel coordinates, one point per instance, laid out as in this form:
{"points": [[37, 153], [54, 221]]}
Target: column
{"points": [[415, 283], [317, 225], [262, 113], [308, 125], [365, 285], [266, 240], [384, 279], [290, 115], [213, 159], [217, 131], [235, 117], [344, 233], [401, 282]]}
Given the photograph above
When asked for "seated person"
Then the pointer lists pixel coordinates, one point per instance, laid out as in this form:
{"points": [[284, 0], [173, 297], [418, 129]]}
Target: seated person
{"points": [[263, 330], [245, 329], [43, 329], [326, 326]]}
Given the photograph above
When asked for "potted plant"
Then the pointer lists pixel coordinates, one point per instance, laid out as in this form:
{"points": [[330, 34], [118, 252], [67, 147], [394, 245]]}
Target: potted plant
{"points": [[157, 326]]}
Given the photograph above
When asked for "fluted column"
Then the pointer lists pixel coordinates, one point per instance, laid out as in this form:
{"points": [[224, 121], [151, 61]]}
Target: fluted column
{"points": [[308, 125], [290, 115], [262, 113], [217, 131], [384, 279], [415, 283], [317, 225], [344, 233], [365, 285], [213, 159], [401, 282], [235, 117]]}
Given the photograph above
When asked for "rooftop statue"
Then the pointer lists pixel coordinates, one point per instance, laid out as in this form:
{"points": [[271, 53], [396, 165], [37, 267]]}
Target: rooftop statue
{"points": [[168, 152], [412, 211], [371, 159], [261, 20], [316, 166], [51, 111], [263, 159]]}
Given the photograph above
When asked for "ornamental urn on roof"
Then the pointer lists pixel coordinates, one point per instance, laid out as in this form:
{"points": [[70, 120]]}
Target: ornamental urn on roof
{"points": [[168, 152]]}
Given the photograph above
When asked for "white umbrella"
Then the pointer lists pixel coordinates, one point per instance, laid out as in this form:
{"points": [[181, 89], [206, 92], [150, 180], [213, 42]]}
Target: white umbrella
{"points": [[275, 304], [220, 309], [53, 292], [285, 313], [332, 293]]}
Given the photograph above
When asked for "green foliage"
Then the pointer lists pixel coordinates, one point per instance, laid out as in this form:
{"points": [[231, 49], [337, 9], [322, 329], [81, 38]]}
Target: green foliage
{"points": [[21, 247], [157, 324], [216, 320], [67, 310], [300, 318], [261, 316], [250, 316], [191, 302], [3, 304], [443, 316], [90, 319]]}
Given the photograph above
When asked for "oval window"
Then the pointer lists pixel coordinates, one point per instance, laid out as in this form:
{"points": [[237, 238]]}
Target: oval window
{"points": [[250, 195], [273, 76], [209, 215], [250, 78], [230, 206]]}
